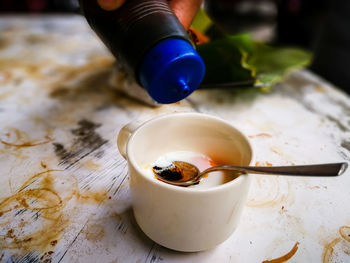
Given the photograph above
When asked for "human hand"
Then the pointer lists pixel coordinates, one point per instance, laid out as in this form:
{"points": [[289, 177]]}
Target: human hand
{"points": [[185, 10]]}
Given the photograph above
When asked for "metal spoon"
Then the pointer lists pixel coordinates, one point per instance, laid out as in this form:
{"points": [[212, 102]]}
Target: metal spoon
{"points": [[191, 175]]}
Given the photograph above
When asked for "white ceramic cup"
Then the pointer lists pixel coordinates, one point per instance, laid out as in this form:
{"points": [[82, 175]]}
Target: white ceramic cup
{"points": [[180, 218]]}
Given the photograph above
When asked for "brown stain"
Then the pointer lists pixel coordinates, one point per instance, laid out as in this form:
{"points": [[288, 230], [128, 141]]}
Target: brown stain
{"points": [[60, 92], [275, 151], [32, 70], [15, 134], [320, 89], [97, 63], [263, 164], [344, 231], [219, 101], [274, 196], [62, 73], [5, 95], [5, 77], [283, 209], [90, 197], [328, 250], [91, 165], [318, 187], [17, 153], [116, 216], [94, 232], [15, 142], [43, 164], [42, 199], [98, 73], [50, 204], [87, 196], [28, 144], [33, 39], [39, 196], [314, 187], [4, 42], [53, 243], [285, 257], [46, 257], [261, 135], [22, 223], [33, 178]]}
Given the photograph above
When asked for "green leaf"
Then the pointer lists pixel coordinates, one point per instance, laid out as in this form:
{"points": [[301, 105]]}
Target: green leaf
{"points": [[201, 21], [273, 63], [223, 60], [238, 58], [203, 24]]}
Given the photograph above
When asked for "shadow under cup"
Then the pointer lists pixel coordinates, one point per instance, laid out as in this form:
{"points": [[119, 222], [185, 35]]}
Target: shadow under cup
{"points": [[180, 218]]}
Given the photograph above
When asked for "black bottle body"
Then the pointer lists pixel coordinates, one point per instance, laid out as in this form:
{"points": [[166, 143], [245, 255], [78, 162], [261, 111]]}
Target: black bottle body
{"points": [[130, 31]]}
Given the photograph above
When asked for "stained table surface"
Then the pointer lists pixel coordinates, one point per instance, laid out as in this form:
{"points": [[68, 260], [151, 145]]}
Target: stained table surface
{"points": [[64, 194]]}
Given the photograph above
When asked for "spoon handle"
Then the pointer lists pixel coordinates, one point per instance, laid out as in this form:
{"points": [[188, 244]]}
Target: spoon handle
{"points": [[330, 169]]}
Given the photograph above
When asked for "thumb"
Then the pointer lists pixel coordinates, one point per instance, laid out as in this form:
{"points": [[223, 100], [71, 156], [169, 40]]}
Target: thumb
{"points": [[185, 10], [110, 5]]}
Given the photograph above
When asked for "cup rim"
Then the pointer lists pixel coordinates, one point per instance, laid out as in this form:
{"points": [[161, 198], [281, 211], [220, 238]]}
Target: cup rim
{"points": [[132, 160]]}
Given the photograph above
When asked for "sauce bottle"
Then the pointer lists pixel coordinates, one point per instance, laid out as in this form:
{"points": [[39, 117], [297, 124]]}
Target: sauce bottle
{"points": [[152, 45]]}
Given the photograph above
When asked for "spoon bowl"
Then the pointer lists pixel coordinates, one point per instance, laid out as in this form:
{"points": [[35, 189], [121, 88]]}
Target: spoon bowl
{"points": [[186, 174]]}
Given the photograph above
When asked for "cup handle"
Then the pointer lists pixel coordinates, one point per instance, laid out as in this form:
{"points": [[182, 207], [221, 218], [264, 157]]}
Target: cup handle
{"points": [[124, 135]]}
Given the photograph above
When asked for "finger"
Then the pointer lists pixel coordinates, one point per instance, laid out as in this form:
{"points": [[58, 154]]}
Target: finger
{"points": [[110, 5], [185, 10]]}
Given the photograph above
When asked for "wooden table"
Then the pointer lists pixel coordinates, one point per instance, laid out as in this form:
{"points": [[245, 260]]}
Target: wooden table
{"points": [[64, 193]]}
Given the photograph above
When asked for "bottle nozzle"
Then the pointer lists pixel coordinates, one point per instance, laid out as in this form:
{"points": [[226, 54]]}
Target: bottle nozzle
{"points": [[183, 87]]}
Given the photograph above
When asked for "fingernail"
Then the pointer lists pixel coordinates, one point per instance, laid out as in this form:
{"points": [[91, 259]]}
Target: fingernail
{"points": [[110, 5]]}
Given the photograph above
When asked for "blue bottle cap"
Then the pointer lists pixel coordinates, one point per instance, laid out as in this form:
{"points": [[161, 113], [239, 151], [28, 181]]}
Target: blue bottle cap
{"points": [[171, 70]]}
